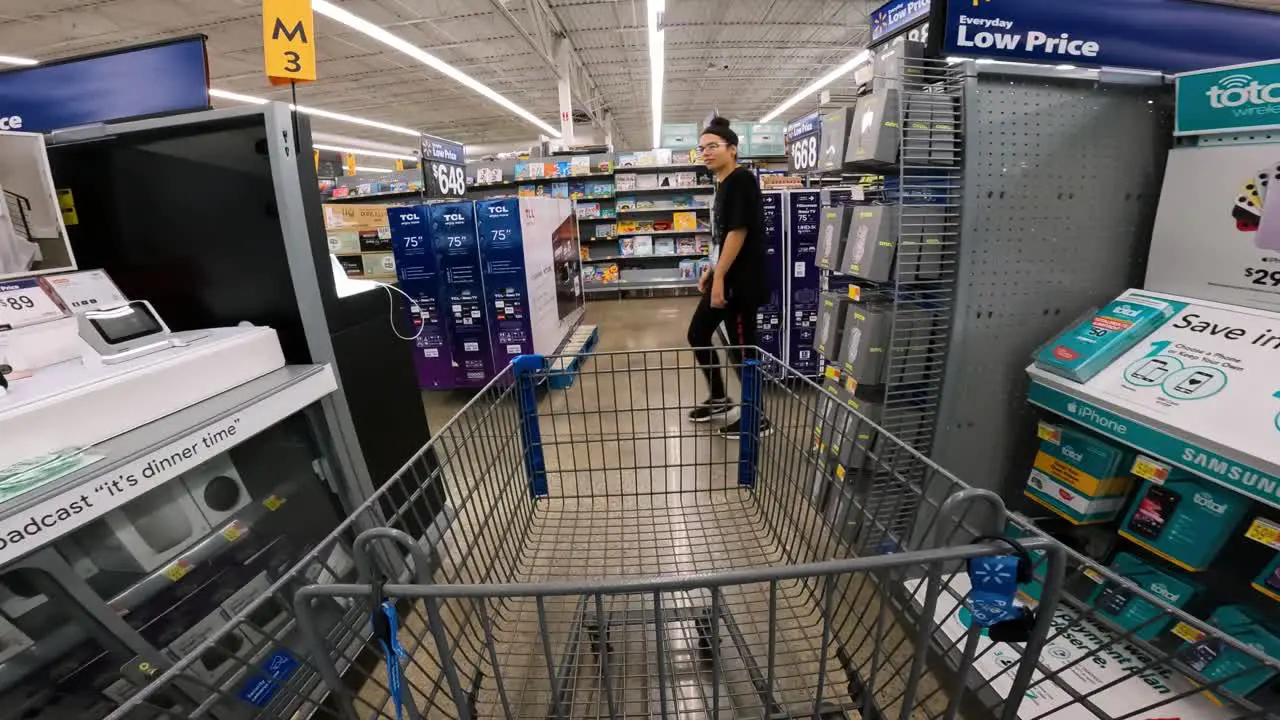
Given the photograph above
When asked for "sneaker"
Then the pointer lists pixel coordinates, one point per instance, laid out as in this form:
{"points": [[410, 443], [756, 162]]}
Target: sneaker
{"points": [[711, 409], [733, 431]]}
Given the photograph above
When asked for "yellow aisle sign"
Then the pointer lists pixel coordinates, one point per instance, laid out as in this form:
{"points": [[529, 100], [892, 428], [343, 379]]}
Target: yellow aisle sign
{"points": [[288, 41]]}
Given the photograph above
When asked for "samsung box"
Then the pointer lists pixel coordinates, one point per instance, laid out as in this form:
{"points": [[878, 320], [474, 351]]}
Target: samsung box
{"points": [[831, 315], [1185, 521], [833, 229], [865, 342], [1132, 612], [835, 135], [873, 238], [873, 139]]}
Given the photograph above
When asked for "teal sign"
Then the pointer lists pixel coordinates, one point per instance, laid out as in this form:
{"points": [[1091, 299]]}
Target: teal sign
{"points": [[1232, 99], [1237, 476]]}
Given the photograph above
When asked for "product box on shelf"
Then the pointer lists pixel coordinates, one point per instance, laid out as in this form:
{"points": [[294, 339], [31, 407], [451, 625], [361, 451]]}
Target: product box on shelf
{"points": [[770, 324], [832, 310], [1082, 351], [1215, 660], [865, 342], [873, 140], [1268, 581], [873, 237], [803, 213], [453, 232], [835, 135], [418, 269], [833, 231], [1080, 477], [1135, 613], [1185, 520], [944, 145]]}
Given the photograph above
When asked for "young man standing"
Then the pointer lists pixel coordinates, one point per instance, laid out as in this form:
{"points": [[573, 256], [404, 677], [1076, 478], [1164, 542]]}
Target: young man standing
{"points": [[733, 290]]}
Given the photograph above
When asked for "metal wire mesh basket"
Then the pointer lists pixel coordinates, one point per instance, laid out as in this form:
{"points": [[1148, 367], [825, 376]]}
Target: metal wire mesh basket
{"points": [[599, 556]]}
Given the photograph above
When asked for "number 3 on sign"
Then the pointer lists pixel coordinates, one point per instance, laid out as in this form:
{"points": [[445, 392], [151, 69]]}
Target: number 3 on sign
{"points": [[288, 41]]}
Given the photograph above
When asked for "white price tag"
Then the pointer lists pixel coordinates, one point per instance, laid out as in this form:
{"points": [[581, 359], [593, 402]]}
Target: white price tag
{"points": [[26, 302]]}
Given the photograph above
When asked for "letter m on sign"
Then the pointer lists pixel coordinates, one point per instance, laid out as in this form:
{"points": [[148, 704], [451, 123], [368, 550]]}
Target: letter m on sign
{"points": [[288, 41]]}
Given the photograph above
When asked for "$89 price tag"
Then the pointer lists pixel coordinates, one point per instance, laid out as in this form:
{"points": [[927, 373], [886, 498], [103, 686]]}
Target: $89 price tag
{"points": [[25, 302]]}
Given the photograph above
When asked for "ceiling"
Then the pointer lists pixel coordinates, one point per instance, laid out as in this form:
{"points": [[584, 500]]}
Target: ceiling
{"points": [[741, 57]]}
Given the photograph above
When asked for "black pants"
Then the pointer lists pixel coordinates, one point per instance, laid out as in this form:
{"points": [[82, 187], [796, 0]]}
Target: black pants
{"points": [[739, 320]]}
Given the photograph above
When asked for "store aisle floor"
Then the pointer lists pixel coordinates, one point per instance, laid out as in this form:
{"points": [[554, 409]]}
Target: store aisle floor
{"points": [[636, 324]]}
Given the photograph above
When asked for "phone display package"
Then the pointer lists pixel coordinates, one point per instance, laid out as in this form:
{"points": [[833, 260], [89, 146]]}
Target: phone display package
{"points": [[1132, 612], [1081, 477], [1186, 520]]}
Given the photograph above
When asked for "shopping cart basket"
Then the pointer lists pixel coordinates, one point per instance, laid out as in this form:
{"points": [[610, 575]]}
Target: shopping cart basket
{"points": [[599, 556]]}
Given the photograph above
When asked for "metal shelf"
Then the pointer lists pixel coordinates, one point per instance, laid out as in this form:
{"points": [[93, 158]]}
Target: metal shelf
{"points": [[612, 258], [597, 219], [622, 285], [686, 188], [638, 211], [660, 168], [374, 196], [664, 232], [525, 181]]}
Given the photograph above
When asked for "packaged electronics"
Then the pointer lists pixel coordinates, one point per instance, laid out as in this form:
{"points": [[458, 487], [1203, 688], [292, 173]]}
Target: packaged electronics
{"points": [[872, 240], [1085, 349], [873, 138], [1214, 659], [897, 58], [944, 146], [835, 134], [1080, 477], [832, 311], [1132, 612], [865, 342], [1185, 521], [855, 439], [1268, 581], [833, 230], [146, 533]]}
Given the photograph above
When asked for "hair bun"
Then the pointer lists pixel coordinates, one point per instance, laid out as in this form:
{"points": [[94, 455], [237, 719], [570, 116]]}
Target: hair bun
{"points": [[718, 122]]}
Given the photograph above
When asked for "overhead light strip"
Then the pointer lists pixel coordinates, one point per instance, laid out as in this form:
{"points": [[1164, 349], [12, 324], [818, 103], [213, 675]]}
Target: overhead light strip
{"points": [[362, 151], [657, 66], [361, 168], [846, 67], [359, 24], [15, 60], [341, 117]]}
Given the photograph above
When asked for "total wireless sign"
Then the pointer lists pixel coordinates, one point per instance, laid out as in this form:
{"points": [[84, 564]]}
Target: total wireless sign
{"points": [[1230, 99]]}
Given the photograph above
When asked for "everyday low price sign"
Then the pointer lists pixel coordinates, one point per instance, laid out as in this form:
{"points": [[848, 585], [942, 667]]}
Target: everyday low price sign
{"points": [[1230, 99]]}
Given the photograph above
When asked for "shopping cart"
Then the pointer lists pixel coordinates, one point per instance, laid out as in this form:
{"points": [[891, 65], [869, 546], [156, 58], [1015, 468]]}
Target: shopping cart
{"points": [[600, 557]]}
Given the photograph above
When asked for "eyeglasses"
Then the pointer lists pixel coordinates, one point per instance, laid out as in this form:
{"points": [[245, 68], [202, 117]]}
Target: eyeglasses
{"points": [[709, 146]]}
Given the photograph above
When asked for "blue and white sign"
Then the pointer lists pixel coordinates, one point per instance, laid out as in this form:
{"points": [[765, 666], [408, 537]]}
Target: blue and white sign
{"points": [[895, 16], [158, 79], [801, 138], [446, 151], [1230, 99], [1166, 35]]}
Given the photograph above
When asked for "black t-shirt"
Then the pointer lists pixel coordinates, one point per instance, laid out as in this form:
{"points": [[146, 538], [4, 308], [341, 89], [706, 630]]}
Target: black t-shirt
{"points": [[738, 206]]}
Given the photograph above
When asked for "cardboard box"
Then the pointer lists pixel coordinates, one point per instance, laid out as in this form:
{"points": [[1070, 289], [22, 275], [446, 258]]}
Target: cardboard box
{"points": [[378, 264], [832, 309], [872, 242], [834, 137], [873, 139], [343, 241], [865, 343], [833, 231]]}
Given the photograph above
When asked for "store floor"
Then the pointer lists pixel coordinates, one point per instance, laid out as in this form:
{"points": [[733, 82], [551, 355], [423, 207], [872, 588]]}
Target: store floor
{"points": [[635, 324]]}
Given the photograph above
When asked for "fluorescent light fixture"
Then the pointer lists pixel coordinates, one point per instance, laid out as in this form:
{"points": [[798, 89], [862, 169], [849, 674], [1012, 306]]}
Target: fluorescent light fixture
{"points": [[361, 168], [340, 117], [15, 60], [1064, 67], [657, 66], [361, 151], [846, 67], [359, 24]]}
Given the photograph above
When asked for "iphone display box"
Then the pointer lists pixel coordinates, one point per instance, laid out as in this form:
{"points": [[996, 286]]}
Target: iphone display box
{"points": [[835, 134], [865, 342], [1185, 521], [1082, 351], [1132, 612], [873, 137], [872, 240], [1216, 660], [833, 230], [832, 310]]}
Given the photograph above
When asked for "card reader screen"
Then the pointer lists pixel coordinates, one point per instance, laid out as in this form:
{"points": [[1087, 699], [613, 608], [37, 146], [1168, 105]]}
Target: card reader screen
{"points": [[125, 323]]}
